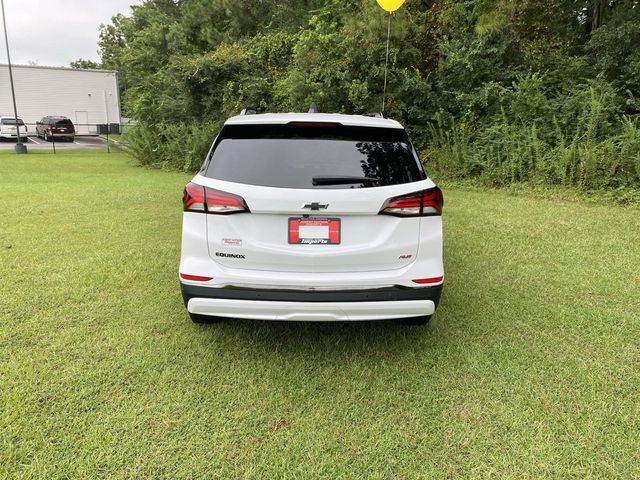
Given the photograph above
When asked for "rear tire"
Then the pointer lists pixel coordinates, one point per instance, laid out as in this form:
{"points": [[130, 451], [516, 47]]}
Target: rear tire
{"points": [[46, 136], [195, 318], [415, 321]]}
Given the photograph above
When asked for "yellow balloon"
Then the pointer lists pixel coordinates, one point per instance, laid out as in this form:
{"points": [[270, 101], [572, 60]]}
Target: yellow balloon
{"points": [[390, 5]]}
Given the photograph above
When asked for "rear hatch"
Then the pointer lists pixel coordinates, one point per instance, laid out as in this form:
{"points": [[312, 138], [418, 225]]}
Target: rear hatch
{"points": [[9, 126], [62, 126], [314, 192]]}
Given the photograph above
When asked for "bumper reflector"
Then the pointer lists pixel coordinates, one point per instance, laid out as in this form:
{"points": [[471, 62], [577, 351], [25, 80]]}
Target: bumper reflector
{"points": [[428, 280], [195, 278]]}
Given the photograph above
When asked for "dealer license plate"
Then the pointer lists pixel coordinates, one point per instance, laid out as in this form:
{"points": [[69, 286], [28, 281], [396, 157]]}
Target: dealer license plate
{"points": [[314, 231]]}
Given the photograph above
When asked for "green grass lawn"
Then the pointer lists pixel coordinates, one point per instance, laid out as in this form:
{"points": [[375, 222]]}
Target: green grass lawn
{"points": [[529, 369]]}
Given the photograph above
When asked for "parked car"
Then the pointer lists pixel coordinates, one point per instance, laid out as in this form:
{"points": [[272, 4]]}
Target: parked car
{"points": [[9, 128], [310, 216], [54, 128]]}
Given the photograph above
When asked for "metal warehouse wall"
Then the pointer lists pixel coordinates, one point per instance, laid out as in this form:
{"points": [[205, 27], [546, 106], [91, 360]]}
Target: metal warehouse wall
{"points": [[85, 96]]}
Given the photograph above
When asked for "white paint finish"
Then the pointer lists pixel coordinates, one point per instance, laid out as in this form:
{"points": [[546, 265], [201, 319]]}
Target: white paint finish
{"points": [[282, 118], [310, 311], [42, 91], [9, 131], [369, 242], [196, 260]]}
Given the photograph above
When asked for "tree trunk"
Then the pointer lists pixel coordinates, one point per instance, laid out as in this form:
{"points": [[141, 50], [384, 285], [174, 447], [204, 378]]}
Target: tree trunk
{"points": [[597, 16]]}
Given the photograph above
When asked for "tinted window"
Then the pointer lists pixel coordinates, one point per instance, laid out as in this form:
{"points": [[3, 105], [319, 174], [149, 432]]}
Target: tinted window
{"points": [[11, 121], [62, 121], [293, 156]]}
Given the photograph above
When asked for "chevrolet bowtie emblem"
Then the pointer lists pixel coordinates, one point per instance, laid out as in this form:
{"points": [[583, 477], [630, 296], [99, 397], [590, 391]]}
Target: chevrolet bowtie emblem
{"points": [[315, 206]]}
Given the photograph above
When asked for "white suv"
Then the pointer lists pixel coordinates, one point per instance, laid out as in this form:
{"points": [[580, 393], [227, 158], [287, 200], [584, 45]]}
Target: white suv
{"points": [[310, 216], [9, 128]]}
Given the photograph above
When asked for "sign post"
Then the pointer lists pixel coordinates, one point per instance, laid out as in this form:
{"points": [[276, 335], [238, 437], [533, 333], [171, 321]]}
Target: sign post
{"points": [[20, 147]]}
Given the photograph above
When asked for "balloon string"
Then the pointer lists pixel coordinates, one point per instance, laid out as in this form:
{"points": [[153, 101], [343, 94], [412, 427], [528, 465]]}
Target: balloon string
{"points": [[386, 63]]}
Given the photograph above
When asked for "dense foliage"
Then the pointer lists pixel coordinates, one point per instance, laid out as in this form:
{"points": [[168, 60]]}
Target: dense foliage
{"points": [[501, 90]]}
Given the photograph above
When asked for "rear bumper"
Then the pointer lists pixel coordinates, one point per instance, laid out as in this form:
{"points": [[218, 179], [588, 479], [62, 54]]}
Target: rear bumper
{"points": [[62, 135], [376, 304], [12, 135]]}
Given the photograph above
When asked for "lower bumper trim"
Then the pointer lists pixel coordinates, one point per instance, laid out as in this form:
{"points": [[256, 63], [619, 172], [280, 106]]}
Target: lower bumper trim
{"points": [[310, 311], [431, 293]]}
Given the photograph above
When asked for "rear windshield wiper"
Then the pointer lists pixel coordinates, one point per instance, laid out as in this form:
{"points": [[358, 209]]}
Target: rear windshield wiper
{"points": [[343, 180]]}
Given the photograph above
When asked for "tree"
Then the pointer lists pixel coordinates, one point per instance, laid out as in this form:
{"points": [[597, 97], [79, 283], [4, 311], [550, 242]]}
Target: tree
{"points": [[512, 89], [83, 63]]}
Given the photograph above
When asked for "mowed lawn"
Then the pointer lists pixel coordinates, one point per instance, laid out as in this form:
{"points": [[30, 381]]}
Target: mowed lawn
{"points": [[529, 369]]}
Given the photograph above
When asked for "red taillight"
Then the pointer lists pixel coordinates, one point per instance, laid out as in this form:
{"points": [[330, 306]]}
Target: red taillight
{"points": [[425, 203], [315, 124], [422, 281], [224, 203], [193, 198], [195, 278], [197, 198]]}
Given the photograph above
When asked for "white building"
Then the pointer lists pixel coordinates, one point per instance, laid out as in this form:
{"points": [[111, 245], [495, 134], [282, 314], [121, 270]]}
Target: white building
{"points": [[87, 97]]}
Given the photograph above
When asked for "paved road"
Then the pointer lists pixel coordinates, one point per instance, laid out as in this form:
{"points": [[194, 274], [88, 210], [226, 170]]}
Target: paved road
{"points": [[39, 144]]}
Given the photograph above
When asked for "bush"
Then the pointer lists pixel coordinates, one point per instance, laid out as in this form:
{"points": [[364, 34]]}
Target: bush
{"points": [[504, 153], [570, 135], [180, 146]]}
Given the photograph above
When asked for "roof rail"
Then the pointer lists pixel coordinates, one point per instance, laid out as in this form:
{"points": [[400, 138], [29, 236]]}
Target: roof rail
{"points": [[313, 108], [375, 114], [248, 111]]}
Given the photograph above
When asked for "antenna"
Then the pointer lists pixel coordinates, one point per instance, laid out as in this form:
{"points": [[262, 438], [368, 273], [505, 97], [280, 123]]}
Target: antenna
{"points": [[313, 108], [386, 63]]}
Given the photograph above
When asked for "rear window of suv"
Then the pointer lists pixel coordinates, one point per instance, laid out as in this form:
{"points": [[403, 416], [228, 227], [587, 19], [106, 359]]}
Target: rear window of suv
{"points": [[313, 155], [61, 121], [12, 121]]}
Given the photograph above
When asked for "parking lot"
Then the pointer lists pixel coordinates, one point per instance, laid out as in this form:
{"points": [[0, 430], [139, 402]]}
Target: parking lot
{"points": [[38, 143]]}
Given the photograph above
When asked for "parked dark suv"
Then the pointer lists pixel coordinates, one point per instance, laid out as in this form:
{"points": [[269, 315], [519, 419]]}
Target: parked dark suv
{"points": [[53, 128]]}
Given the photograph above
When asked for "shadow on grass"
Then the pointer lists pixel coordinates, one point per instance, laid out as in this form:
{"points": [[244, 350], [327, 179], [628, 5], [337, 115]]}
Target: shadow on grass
{"points": [[319, 340], [275, 352]]}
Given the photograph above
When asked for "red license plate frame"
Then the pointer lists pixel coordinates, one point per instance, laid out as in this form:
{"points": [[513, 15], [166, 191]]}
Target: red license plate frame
{"points": [[333, 227]]}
